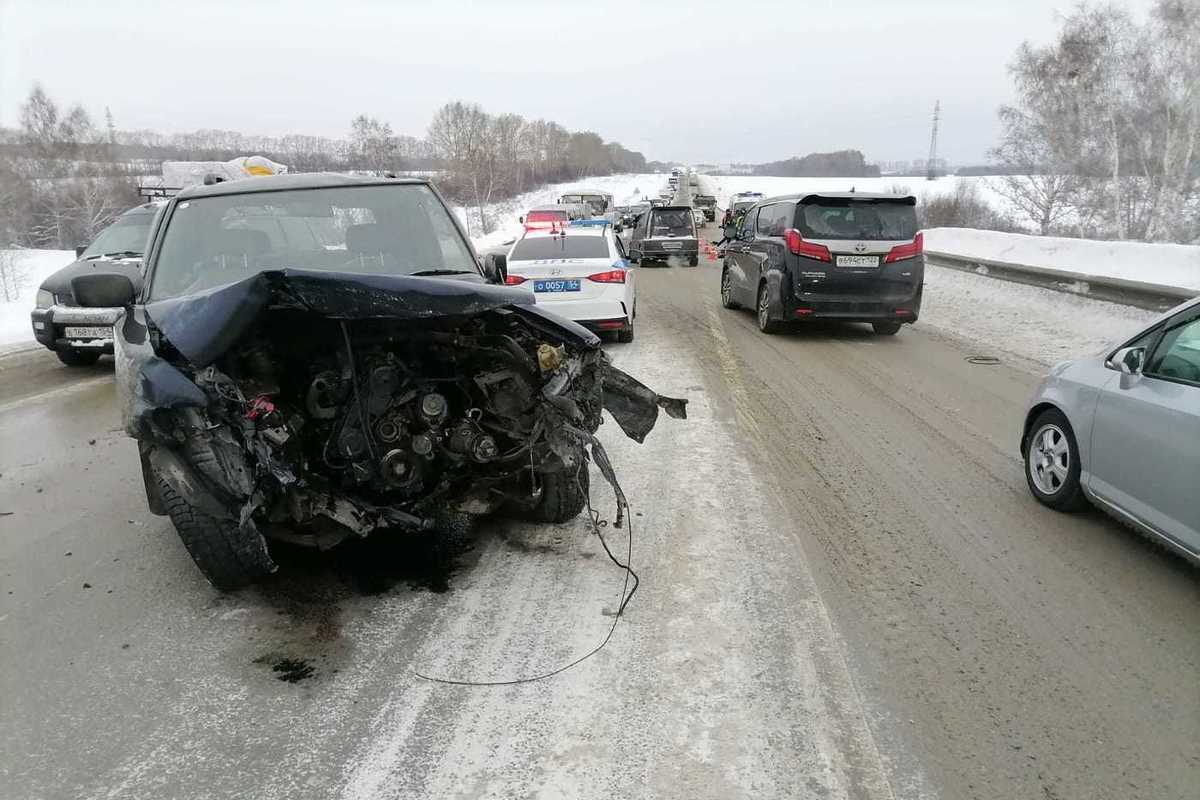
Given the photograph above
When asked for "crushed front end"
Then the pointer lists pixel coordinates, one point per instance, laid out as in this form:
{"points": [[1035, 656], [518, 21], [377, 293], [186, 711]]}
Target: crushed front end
{"points": [[314, 407]]}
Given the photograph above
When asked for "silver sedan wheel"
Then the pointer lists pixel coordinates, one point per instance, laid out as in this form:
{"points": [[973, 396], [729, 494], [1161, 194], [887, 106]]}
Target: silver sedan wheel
{"points": [[764, 311], [1049, 459]]}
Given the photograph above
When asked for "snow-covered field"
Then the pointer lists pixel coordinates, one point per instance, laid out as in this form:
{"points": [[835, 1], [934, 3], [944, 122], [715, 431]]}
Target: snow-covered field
{"points": [[31, 267]]}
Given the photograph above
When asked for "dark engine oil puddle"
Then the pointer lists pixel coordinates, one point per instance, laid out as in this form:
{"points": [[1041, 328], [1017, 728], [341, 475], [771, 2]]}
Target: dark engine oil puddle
{"points": [[288, 670]]}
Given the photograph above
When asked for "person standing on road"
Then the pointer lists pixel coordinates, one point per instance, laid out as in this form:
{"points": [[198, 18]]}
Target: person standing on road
{"points": [[726, 223]]}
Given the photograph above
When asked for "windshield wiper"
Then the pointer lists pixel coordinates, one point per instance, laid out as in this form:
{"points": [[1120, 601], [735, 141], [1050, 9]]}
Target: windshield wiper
{"points": [[445, 272], [118, 254]]}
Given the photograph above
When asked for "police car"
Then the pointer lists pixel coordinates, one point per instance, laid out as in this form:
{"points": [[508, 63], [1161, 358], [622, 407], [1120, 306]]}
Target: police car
{"points": [[578, 271]]}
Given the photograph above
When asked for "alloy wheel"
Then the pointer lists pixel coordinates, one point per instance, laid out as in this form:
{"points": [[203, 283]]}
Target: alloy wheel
{"points": [[1049, 459]]}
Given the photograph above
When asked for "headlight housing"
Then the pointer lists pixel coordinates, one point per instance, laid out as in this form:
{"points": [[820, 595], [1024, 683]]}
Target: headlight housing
{"points": [[44, 299]]}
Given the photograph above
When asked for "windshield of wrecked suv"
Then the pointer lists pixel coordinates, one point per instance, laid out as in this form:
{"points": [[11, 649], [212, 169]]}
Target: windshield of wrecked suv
{"points": [[385, 229]]}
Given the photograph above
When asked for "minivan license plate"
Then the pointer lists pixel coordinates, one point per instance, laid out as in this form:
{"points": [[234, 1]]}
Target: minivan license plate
{"points": [[858, 261], [557, 286], [88, 332]]}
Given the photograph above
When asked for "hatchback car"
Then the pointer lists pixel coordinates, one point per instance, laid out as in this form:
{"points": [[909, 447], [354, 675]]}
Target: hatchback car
{"points": [[581, 273], [846, 256], [1122, 429]]}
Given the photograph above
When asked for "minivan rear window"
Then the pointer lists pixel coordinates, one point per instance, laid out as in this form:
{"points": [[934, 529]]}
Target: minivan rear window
{"points": [[835, 218], [550, 247], [672, 222]]}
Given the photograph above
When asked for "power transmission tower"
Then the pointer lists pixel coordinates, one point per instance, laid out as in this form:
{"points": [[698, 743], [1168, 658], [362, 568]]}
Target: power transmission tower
{"points": [[931, 165]]}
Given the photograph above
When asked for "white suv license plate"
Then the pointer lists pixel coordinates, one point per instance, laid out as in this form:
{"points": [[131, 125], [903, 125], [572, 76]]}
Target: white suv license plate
{"points": [[89, 332], [672, 245], [858, 261]]}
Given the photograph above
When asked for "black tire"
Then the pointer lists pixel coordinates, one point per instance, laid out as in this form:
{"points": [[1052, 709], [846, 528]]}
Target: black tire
{"points": [[625, 335], [727, 300], [765, 323], [694, 261], [886, 328], [564, 495], [77, 358], [1062, 492], [228, 556]]}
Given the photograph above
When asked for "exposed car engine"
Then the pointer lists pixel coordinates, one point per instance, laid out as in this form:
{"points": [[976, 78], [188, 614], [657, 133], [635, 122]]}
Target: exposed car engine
{"points": [[316, 408]]}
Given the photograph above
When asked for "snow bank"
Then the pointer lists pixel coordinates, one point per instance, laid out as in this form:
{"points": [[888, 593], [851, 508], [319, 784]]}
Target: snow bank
{"points": [[30, 267], [1039, 324], [1163, 264]]}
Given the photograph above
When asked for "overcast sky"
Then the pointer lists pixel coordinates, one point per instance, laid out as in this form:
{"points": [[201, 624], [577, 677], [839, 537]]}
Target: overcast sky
{"points": [[757, 81]]}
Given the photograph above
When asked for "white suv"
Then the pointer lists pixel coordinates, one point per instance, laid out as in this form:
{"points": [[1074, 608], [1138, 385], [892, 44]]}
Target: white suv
{"points": [[581, 273]]}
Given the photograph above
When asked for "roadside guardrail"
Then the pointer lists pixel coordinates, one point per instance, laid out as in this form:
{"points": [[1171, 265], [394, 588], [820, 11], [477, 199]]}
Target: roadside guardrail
{"points": [[1151, 296]]}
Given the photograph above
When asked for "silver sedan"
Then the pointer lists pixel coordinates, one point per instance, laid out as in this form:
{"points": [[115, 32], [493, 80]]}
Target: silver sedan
{"points": [[1122, 429]]}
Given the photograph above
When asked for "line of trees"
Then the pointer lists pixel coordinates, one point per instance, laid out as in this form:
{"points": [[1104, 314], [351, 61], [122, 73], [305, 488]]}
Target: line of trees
{"points": [[839, 164], [1104, 137], [63, 177], [487, 157]]}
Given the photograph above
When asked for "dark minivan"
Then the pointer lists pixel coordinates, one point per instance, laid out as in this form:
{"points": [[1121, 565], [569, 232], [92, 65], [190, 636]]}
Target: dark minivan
{"points": [[849, 256]]}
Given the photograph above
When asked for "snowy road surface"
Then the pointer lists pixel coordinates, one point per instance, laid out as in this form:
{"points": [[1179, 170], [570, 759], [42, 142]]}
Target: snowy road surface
{"points": [[846, 592]]}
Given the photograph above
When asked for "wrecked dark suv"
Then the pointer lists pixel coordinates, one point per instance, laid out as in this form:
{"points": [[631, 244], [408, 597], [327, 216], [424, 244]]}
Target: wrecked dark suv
{"points": [[318, 357]]}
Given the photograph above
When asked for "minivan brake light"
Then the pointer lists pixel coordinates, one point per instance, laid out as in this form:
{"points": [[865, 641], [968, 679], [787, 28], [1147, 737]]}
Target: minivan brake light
{"points": [[796, 245]]}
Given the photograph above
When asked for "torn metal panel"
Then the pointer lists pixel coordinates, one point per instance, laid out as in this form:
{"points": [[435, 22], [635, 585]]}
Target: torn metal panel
{"points": [[633, 405], [204, 325]]}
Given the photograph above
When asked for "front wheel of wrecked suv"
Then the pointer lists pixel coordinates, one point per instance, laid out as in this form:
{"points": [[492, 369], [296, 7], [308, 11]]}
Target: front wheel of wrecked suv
{"points": [[229, 556], [564, 494]]}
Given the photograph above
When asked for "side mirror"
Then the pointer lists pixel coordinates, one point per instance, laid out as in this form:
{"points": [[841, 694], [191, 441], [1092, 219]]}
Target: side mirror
{"points": [[495, 267], [79, 248], [1130, 360], [102, 290], [618, 228]]}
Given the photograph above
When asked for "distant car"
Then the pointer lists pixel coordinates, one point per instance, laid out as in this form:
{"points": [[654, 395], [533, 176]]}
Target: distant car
{"points": [[854, 257], [77, 335], [598, 202], [666, 232], [1122, 429], [708, 203], [581, 273], [547, 217]]}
